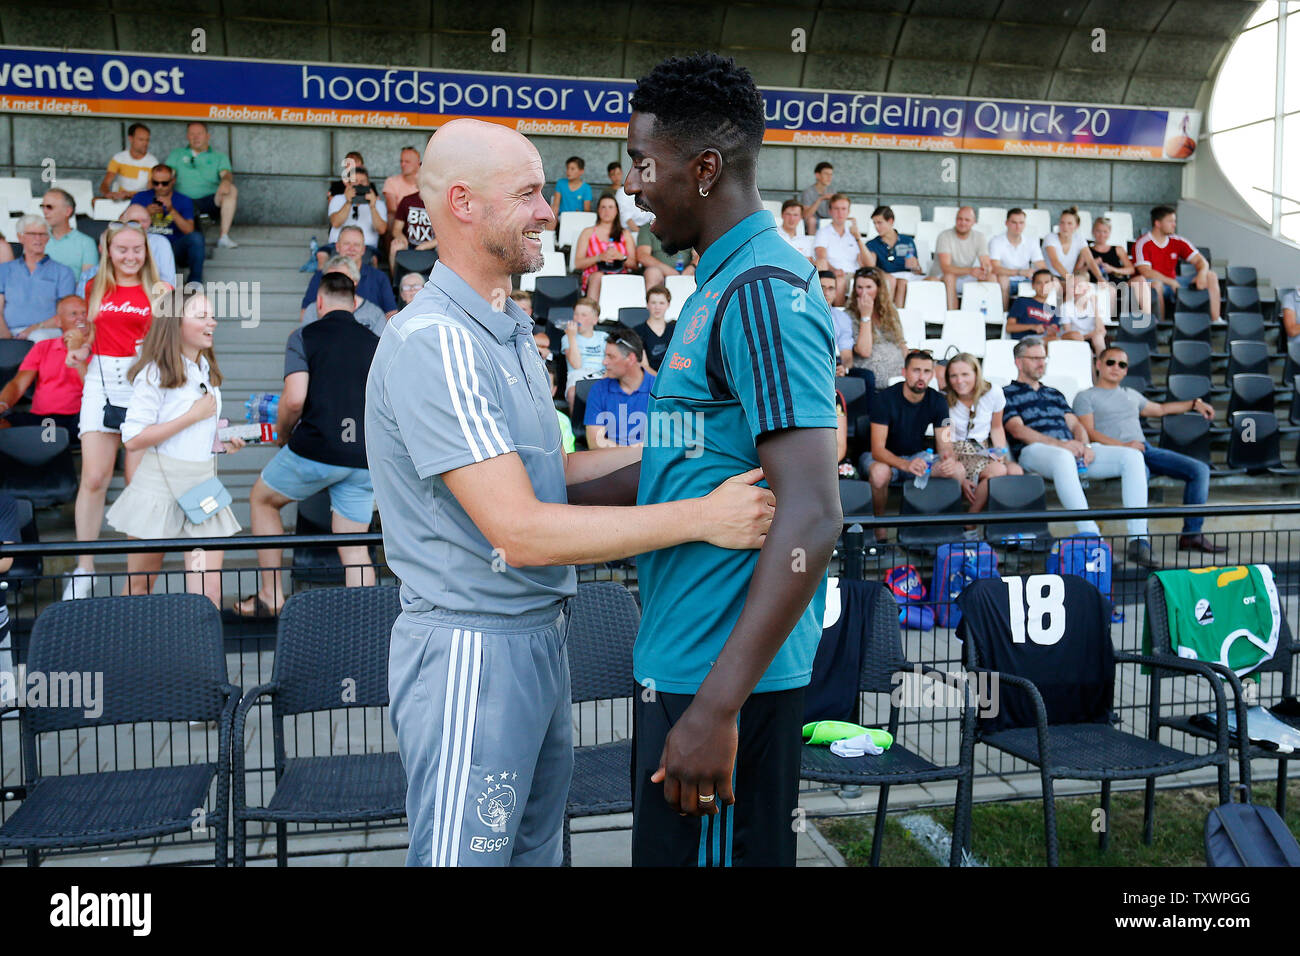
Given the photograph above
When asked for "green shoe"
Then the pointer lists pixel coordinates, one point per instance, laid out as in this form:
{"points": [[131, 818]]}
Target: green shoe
{"points": [[825, 732]]}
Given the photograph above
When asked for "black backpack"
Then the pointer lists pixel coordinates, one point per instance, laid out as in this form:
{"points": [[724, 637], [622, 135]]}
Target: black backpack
{"points": [[1248, 834]]}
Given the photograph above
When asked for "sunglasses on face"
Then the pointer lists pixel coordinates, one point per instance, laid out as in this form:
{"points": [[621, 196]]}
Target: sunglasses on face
{"points": [[1117, 362], [161, 182]]}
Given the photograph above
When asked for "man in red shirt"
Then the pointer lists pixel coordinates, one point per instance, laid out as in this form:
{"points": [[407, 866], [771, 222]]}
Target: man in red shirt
{"points": [[1157, 255], [58, 375]]}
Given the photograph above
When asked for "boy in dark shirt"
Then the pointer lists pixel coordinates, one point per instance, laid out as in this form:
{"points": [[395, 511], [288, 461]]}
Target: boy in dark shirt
{"points": [[1032, 315], [656, 331]]}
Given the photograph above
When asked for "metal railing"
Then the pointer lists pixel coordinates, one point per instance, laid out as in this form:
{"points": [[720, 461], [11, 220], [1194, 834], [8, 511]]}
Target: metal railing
{"points": [[930, 731]]}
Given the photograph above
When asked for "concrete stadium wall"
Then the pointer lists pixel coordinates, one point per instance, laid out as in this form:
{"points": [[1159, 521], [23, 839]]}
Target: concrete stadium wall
{"points": [[932, 48]]}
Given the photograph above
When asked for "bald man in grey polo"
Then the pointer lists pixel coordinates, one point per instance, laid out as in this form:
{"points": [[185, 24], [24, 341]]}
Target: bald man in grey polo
{"points": [[478, 672]]}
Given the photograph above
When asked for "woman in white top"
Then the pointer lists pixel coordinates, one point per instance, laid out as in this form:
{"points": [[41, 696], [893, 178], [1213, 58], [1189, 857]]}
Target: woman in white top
{"points": [[976, 407], [173, 412], [1067, 252]]}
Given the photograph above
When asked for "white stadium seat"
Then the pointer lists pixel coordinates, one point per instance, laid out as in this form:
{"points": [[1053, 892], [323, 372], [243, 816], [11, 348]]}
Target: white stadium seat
{"points": [[1067, 385], [17, 190], [945, 217], [82, 192], [861, 211], [1073, 359], [109, 209], [552, 265], [906, 218], [571, 224], [1038, 223], [1121, 227], [924, 253], [680, 288], [998, 361], [1085, 224], [986, 294], [991, 220], [962, 330], [774, 207], [618, 292], [913, 327], [927, 299]]}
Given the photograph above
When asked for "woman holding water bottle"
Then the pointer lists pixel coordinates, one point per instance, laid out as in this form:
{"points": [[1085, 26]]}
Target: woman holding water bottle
{"points": [[975, 407]]}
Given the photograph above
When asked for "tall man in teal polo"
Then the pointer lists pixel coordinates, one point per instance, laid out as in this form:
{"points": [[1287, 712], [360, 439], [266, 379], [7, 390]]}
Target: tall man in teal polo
{"points": [[727, 638], [204, 174]]}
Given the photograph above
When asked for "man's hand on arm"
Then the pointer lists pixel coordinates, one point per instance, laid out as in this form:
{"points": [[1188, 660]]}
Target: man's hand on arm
{"points": [[699, 753], [880, 435]]}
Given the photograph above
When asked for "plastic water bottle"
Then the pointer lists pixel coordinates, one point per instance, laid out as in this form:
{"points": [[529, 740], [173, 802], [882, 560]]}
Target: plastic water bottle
{"points": [[984, 311], [1083, 472], [681, 262], [920, 481]]}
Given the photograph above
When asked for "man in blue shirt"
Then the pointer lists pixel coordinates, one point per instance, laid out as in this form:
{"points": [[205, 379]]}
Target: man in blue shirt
{"points": [[727, 638], [31, 285], [617, 403], [171, 214], [373, 285]]}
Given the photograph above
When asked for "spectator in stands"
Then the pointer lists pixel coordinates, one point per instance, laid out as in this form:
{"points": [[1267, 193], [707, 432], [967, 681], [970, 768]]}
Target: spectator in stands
{"points": [[411, 229], [1078, 314], [840, 248], [789, 228], [351, 160], [878, 344], [573, 195], [656, 331], [56, 372], [1013, 255], [895, 254], [320, 428], [816, 199], [173, 412], [1034, 315], [172, 216], [975, 413], [1112, 415], [1048, 439], [617, 404], [374, 285], [632, 217], [900, 415], [406, 183], [1288, 303], [961, 255], [583, 345], [121, 311], [204, 174], [542, 339], [603, 249], [31, 286], [1157, 254], [1117, 268], [67, 246], [524, 299], [410, 284], [656, 264], [843, 325], [359, 206], [161, 250], [128, 171], [1066, 251], [364, 311]]}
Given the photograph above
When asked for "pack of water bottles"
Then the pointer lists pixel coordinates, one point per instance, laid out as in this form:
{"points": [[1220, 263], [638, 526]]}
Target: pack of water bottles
{"points": [[262, 408]]}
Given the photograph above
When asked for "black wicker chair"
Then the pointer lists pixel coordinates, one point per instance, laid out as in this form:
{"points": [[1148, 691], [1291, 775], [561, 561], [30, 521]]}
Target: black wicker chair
{"points": [[1286, 710], [162, 661], [602, 630], [1087, 751], [37, 466], [882, 660], [326, 636]]}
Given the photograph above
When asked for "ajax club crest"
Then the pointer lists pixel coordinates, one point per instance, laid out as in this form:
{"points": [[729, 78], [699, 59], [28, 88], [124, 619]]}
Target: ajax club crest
{"points": [[496, 804]]}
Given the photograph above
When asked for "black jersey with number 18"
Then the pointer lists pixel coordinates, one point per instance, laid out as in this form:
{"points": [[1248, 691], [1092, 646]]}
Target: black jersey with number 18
{"points": [[1051, 629]]}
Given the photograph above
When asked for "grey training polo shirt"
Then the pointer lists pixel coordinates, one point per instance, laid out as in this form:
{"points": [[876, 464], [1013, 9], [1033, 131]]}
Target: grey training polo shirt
{"points": [[456, 382]]}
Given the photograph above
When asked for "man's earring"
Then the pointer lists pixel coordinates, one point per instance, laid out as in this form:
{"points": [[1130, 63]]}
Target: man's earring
{"points": [[704, 192]]}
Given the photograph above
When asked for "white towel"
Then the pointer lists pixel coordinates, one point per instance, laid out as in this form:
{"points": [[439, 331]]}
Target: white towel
{"points": [[859, 746]]}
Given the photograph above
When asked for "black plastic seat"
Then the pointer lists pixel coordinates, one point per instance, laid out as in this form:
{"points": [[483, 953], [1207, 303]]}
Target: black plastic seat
{"points": [[855, 497], [1184, 388], [1187, 434], [940, 496], [1010, 493], [1139, 365], [1137, 328], [1189, 357], [1242, 275], [12, 353], [1193, 300], [24, 568], [420, 261], [1247, 357], [1255, 443], [633, 315], [602, 630], [1251, 392], [854, 390], [326, 639], [882, 662], [31, 467], [91, 227], [1245, 326], [1242, 298], [580, 392], [1192, 326], [551, 291], [161, 662]]}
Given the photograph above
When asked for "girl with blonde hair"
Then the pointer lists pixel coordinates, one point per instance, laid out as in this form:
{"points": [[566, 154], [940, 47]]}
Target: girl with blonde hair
{"points": [[975, 408]]}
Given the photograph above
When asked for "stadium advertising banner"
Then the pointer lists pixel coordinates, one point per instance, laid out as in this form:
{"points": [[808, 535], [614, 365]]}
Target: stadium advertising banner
{"points": [[61, 82]]}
